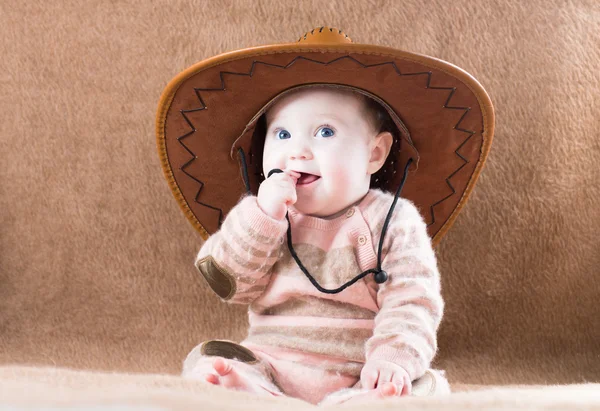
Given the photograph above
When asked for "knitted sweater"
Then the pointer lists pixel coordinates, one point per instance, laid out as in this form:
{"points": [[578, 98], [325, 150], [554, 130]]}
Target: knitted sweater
{"points": [[247, 261]]}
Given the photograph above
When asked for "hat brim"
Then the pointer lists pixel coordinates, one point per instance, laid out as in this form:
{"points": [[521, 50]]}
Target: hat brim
{"points": [[205, 109]]}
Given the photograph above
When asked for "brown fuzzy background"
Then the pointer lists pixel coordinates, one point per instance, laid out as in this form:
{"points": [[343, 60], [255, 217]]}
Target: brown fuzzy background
{"points": [[96, 258]]}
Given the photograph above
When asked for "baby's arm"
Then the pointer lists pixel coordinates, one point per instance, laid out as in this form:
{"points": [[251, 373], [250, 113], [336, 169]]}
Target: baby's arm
{"points": [[410, 302], [235, 260]]}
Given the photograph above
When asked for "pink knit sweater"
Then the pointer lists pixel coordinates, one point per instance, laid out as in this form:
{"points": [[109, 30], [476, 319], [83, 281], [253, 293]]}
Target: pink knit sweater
{"points": [[395, 321]]}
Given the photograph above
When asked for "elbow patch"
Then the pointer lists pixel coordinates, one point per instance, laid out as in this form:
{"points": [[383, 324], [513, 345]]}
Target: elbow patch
{"points": [[221, 282]]}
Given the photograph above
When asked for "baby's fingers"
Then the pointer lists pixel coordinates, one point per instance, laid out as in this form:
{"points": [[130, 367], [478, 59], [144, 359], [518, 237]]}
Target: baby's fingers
{"points": [[399, 382], [285, 174], [291, 197], [368, 378], [284, 180], [403, 384], [385, 375], [407, 390]]}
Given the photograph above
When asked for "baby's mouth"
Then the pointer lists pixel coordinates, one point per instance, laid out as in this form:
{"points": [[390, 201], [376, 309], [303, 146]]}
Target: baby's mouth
{"points": [[306, 178]]}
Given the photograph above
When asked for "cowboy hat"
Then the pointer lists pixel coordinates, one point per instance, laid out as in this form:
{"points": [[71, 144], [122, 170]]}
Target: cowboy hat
{"points": [[209, 122]]}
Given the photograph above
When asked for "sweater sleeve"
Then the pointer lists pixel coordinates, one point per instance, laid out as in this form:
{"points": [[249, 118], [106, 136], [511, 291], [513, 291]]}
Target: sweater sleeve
{"points": [[410, 301], [236, 260]]}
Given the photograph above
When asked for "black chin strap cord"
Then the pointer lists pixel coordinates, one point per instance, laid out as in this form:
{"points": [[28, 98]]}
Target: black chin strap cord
{"points": [[380, 276]]}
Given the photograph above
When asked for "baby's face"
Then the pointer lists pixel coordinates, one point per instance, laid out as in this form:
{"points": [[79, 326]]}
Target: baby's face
{"points": [[325, 136]]}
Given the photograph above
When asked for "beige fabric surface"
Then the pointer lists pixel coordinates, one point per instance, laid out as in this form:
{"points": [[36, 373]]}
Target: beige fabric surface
{"points": [[25, 387], [96, 259]]}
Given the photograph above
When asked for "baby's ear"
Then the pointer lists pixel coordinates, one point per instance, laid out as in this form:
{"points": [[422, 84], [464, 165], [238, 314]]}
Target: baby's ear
{"points": [[380, 148]]}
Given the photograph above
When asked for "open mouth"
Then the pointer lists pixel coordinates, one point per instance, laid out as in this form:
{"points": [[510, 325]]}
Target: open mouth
{"points": [[306, 178]]}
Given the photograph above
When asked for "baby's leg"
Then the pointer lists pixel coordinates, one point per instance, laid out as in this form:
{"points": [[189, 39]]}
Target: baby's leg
{"points": [[230, 365]]}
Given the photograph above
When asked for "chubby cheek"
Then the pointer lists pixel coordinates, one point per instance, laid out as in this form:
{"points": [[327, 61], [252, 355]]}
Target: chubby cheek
{"points": [[346, 170], [338, 175], [271, 160]]}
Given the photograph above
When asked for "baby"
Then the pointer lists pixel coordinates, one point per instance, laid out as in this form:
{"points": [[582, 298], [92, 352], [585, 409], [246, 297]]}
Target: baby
{"points": [[370, 340]]}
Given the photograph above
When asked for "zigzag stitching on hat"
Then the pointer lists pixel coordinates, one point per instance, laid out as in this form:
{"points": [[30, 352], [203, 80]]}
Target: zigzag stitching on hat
{"points": [[194, 157], [456, 127], [393, 64]]}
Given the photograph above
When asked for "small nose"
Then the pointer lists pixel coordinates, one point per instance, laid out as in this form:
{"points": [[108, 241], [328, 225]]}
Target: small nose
{"points": [[300, 151]]}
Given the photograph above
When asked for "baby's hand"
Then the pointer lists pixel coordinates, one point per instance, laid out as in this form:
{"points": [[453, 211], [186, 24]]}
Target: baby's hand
{"points": [[277, 192], [377, 372]]}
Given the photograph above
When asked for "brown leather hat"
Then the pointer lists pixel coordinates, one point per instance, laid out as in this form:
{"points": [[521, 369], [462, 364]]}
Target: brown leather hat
{"points": [[210, 122]]}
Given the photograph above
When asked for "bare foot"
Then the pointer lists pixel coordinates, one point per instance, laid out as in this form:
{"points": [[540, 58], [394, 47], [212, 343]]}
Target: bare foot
{"points": [[230, 376]]}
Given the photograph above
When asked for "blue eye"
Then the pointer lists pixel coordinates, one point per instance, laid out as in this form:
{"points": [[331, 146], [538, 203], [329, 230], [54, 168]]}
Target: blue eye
{"points": [[285, 136], [328, 132]]}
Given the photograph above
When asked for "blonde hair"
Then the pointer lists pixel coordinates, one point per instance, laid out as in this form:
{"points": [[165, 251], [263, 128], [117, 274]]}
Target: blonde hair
{"points": [[377, 116]]}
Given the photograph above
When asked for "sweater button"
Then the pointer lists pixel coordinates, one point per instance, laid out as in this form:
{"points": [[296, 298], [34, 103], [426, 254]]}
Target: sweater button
{"points": [[362, 240], [350, 212]]}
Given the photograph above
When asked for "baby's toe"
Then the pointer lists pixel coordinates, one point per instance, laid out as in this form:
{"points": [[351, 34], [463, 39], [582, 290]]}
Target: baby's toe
{"points": [[211, 378], [221, 366]]}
